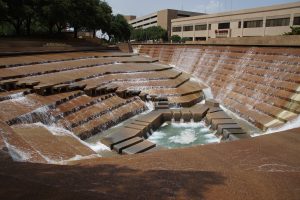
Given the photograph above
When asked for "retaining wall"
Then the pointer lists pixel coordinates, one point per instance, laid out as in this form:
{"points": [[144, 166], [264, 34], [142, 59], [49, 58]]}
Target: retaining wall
{"points": [[261, 84]]}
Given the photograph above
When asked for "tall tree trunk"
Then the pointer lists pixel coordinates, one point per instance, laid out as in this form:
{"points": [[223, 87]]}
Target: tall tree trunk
{"points": [[28, 25], [75, 32], [50, 28], [94, 33], [17, 25], [59, 28]]}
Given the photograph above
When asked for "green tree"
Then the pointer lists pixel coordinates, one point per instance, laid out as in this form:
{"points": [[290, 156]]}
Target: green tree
{"points": [[54, 14], [102, 19], [3, 10], [294, 31], [154, 33], [120, 29], [30, 10], [15, 14], [185, 39], [175, 38], [81, 12]]}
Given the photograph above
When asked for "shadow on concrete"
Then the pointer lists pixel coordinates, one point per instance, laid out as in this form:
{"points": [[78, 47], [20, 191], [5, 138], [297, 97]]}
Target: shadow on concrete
{"points": [[40, 181]]}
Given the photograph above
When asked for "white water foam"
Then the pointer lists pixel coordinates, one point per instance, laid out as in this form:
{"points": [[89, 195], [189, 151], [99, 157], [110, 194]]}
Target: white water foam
{"points": [[188, 136], [150, 106], [16, 95], [98, 146], [23, 100], [208, 93], [157, 135], [16, 154], [210, 138], [187, 125]]}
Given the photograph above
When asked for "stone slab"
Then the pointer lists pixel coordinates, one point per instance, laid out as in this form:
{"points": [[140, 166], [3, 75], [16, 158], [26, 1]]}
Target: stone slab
{"points": [[167, 115], [119, 147], [140, 123], [199, 112], [216, 122], [214, 109], [216, 115], [234, 131], [155, 119], [142, 128], [186, 115], [212, 102], [222, 127], [120, 135], [139, 148], [177, 115]]}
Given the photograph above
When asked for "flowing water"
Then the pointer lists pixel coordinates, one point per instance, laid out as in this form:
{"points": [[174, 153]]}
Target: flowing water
{"points": [[178, 135]]}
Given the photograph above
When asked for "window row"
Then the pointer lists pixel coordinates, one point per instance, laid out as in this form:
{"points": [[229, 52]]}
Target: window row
{"points": [[246, 24]]}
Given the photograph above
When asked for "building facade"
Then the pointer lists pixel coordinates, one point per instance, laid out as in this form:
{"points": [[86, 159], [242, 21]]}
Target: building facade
{"points": [[129, 17], [263, 21], [161, 18]]}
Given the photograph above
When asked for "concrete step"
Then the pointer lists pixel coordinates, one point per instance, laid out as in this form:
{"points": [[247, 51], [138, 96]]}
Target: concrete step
{"points": [[139, 148], [128, 143], [119, 135], [216, 122], [216, 115], [212, 103], [223, 127]]}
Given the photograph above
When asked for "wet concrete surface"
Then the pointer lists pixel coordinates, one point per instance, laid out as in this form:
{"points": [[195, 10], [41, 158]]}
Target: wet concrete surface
{"points": [[247, 169]]}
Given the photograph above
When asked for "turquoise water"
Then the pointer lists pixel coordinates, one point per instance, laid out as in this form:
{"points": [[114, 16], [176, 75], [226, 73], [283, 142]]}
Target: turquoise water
{"points": [[179, 135]]}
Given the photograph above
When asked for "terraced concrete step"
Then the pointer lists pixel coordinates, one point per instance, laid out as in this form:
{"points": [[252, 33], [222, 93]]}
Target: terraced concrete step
{"points": [[216, 115], [223, 127], [119, 135], [62, 147], [154, 118], [142, 128], [158, 107], [214, 109], [128, 143], [199, 112], [216, 122], [212, 103], [234, 131], [139, 148]]}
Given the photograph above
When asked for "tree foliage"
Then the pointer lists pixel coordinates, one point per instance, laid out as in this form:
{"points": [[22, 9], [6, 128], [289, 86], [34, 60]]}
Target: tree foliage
{"points": [[176, 38], [294, 31], [154, 33], [54, 16], [120, 29]]}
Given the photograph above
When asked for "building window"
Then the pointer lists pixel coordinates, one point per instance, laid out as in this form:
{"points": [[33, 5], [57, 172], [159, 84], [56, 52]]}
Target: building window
{"points": [[200, 38], [182, 15], [201, 27], [253, 24], [278, 22], [209, 26], [224, 26], [240, 24], [188, 28], [296, 21], [176, 29]]}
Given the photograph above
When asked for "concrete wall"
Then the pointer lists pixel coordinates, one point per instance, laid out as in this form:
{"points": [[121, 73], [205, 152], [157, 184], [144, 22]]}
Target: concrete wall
{"points": [[258, 83], [287, 40]]}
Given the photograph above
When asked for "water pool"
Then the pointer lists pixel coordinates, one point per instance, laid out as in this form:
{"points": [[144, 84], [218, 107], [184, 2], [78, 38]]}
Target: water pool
{"points": [[179, 135]]}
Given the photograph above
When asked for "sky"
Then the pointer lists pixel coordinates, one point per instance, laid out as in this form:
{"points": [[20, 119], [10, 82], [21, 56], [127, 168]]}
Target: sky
{"points": [[144, 7]]}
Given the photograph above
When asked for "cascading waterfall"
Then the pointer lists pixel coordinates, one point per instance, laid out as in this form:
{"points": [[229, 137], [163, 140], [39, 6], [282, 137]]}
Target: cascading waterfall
{"points": [[239, 71], [41, 114]]}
